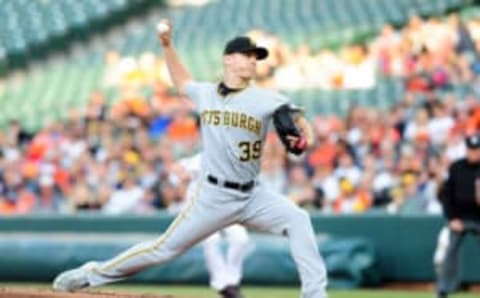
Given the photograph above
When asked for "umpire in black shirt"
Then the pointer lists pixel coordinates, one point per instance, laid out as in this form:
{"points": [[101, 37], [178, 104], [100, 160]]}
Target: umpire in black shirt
{"points": [[461, 206]]}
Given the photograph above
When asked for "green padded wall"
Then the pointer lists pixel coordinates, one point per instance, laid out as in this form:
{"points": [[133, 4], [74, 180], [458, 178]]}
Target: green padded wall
{"points": [[350, 262], [404, 244]]}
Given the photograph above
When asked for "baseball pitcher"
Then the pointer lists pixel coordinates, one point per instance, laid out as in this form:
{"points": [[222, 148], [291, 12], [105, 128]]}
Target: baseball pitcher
{"points": [[234, 120]]}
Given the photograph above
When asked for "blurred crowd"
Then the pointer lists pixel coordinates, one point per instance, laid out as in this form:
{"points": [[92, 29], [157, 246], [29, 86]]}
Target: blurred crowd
{"points": [[117, 158], [429, 53], [113, 159]]}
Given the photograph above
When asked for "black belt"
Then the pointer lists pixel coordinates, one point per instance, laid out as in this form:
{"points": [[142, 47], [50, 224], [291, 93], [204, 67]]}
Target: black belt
{"points": [[232, 185]]}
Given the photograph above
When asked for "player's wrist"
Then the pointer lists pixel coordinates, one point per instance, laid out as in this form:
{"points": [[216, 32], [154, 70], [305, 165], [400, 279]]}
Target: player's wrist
{"points": [[166, 44], [168, 48], [310, 141]]}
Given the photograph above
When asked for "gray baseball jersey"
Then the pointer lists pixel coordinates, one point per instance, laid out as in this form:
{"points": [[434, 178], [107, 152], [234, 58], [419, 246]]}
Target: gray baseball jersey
{"points": [[233, 128]]}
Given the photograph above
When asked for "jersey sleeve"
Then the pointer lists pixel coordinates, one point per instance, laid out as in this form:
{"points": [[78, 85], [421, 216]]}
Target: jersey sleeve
{"points": [[280, 100], [195, 91]]}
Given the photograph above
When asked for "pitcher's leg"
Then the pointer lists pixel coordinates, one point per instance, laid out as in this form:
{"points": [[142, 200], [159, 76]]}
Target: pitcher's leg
{"points": [[237, 239], [305, 252], [448, 277], [276, 214], [198, 220], [191, 226]]}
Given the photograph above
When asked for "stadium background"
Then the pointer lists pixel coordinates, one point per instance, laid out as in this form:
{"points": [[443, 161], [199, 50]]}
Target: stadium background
{"points": [[86, 105]]}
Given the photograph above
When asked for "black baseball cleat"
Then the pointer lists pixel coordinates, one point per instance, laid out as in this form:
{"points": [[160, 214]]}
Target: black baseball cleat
{"points": [[231, 292]]}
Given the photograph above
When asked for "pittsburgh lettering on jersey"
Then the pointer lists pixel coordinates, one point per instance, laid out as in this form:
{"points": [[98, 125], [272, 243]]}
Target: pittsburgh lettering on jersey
{"points": [[233, 119]]}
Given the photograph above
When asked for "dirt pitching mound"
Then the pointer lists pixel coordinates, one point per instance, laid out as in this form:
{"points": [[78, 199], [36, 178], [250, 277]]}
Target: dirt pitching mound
{"points": [[45, 293]]}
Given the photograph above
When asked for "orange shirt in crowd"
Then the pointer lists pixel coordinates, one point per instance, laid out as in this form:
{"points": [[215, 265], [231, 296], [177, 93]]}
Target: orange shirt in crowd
{"points": [[473, 123], [7, 208], [24, 204], [138, 106], [182, 129], [323, 154]]}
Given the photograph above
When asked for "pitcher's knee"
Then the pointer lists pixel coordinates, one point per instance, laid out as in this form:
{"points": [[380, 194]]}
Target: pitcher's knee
{"points": [[164, 252], [299, 217]]}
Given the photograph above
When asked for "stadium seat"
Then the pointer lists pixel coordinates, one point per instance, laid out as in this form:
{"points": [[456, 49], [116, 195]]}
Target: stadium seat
{"points": [[32, 28]]}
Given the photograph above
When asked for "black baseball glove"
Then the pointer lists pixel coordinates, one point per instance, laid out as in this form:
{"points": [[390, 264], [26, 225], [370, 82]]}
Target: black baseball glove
{"points": [[283, 120]]}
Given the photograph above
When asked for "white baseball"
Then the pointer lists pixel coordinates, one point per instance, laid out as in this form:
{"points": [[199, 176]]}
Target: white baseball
{"points": [[162, 27]]}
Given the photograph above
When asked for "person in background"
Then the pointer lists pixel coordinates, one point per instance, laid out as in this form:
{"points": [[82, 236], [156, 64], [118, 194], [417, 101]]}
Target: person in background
{"points": [[460, 198]]}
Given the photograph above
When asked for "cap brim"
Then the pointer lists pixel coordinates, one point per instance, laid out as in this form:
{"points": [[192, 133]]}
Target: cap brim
{"points": [[260, 52]]}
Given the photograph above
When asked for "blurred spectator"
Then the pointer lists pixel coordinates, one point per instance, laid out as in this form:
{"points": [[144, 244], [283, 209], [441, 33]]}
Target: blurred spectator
{"points": [[440, 125], [326, 186], [417, 129], [16, 135], [50, 198], [407, 197], [273, 165], [300, 190], [352, 198], [125, 198], [346, 169]]}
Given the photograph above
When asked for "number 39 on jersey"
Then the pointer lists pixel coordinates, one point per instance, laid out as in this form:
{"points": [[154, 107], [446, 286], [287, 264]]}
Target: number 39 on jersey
{"points": [[250, 150]]}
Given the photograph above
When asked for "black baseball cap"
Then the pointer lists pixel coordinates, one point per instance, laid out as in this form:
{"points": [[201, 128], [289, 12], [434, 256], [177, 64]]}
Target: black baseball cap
{"points": [[243, 44], [473, 141]]}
